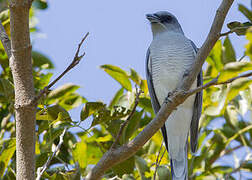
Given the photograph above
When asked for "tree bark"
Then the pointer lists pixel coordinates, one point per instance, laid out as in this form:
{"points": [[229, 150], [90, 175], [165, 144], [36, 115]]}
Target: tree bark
{"points": [[21, 67]]}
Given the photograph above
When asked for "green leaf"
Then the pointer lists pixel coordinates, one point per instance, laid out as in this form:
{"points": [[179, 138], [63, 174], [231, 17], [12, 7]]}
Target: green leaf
{"points": [[236, 86], [6, 89], [231, 115], [245, 12], [42, 80], [90, 108], [228, 51], [72, 101], [248, 46], [127, 100], [119, 75], [145, 103], [125, 167], [133, 125], [144, 87], [61, 91], [94, 153], [41, 61], [233, 69], [40, 4], [238, 27], [53, 113], [216, 55], [8, 147], [80, 154], [218, 102], [135, 77], [116, 98], [141, 166], [163, 173]]}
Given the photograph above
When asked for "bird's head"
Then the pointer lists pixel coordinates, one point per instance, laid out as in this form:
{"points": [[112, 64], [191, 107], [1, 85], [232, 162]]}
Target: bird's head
{"points": [[163, 21]]}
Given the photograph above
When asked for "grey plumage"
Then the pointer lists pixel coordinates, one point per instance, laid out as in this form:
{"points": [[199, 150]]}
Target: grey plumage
{"points": [[168, 57]]}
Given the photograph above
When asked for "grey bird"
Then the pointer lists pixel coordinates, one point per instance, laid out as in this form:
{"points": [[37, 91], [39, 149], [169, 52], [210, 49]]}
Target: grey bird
{"points": [[169, 56]]}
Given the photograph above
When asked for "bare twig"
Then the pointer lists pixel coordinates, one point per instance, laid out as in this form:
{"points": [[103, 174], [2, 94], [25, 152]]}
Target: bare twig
{"points": [[138, 93], [215, 82], [122, 153], [42, 169], [241, 58], [233, 30], [77, 58], [157, 161], [5, 40]]}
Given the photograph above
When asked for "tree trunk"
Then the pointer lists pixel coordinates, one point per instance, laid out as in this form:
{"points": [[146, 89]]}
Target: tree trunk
{"points": [[21, 67]]}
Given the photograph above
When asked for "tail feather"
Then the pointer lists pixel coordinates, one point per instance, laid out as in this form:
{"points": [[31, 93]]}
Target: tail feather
{"points": [[179, 168]]}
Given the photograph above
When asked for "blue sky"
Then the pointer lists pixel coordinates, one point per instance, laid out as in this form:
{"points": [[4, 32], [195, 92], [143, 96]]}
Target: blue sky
{"points": [[119, 35]]}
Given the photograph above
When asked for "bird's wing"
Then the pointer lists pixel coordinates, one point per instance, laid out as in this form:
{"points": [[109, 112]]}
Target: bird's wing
{"points": [[196, 111], [154, 100]]}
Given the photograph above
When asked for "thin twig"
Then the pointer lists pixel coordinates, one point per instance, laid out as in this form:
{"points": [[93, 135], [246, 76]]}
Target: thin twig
{"points": [[215, 82], [77, 58], [138, 93], [241, 58], [5, 40], [157, 160], [42, 169], [234, 30]]}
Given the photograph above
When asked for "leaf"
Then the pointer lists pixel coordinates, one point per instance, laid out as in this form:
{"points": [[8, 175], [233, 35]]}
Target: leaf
{"points": [[141, 166], [72, 101], [125, 167], [218, 102], [133, 125], [119, 75], [135, 77], [80, 154], [216, 55], [127, 100], [41, 61], [61, 91], [228, 51], [245, 11], [116, 98], [145, 103], [53, 113], [163, 173], [8, 147], [244, 101], [233, 69], [248, 46], [94, 153], [6, 89], [90, 108], [231, 115], [40, 4], [238, 27], [144, 87]]}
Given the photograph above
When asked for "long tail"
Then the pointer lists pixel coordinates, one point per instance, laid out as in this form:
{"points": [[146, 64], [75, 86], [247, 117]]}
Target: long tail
{"points": [[179, 169]]}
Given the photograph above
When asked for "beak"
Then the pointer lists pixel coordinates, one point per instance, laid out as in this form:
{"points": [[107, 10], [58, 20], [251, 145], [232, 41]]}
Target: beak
{"points": [[153, 18]]}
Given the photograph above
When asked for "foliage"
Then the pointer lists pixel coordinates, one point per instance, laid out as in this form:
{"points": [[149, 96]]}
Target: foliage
{"points": [[82, 148]]}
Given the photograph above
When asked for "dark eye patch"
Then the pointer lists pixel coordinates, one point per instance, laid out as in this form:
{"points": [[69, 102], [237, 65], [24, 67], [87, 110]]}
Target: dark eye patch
{"points": [[166, 18]]}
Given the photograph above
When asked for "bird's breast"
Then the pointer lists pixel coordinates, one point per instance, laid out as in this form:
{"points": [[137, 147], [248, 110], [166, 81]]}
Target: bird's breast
{"points": [[171, 54]]}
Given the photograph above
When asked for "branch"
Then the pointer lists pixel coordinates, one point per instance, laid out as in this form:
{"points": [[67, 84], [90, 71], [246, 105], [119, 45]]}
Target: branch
{"points": [[175, 98], [234, 30], [77, 58], [41, 170], [5, 40], [215, 82], [158, 161], [138, 93]]}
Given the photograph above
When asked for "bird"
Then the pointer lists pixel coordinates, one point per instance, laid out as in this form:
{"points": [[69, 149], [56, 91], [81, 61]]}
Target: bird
{"points": [[169, 57]]}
